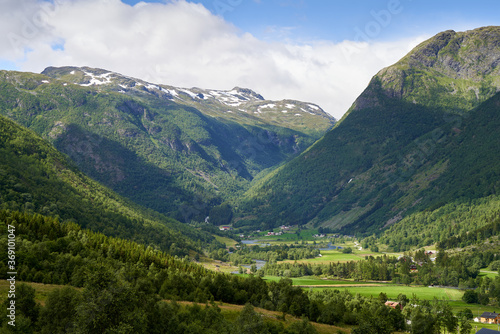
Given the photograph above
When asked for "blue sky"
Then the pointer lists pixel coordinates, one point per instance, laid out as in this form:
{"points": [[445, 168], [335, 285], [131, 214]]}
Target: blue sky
{"points": [[319, 51], [340, 20]]}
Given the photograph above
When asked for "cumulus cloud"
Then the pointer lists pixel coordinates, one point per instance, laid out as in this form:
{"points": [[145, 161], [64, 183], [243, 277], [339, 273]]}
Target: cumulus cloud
{"points": [[183, 44]]}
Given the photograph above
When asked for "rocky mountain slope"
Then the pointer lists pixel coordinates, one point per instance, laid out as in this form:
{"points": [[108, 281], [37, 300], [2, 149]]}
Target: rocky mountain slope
{"points": [[395, 152], [178, 151]]}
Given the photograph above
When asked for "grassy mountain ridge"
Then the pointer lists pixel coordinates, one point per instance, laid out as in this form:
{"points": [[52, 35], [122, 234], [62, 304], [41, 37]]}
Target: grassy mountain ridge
{"points": [[410, 142], [35, 177], [162, 147], [452, 70]]}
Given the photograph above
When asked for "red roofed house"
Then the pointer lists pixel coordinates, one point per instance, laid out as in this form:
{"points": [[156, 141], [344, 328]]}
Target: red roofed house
{"points": [[394, 305]]}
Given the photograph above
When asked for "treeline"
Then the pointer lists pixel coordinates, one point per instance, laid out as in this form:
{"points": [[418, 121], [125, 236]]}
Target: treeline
{"points": [[110, 304], [472, 237], [271, 254], [457, 224], [487, 292], [460, 270], [124, 282], [50, 252]]}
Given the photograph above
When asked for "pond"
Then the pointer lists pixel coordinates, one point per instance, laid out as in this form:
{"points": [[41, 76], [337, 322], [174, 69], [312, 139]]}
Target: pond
{"points": [[331, 247], [258, 263]]}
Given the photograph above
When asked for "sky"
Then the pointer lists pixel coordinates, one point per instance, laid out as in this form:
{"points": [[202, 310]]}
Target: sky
{"points": [[319, 51]]}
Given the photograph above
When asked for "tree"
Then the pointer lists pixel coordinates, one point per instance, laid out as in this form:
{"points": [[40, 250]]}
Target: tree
{"points": [[347, 250], [25, 302], [302, 327], [470, 297], [422, 322], [465, 326], [60, 310], [249, 322], [382, 297]]}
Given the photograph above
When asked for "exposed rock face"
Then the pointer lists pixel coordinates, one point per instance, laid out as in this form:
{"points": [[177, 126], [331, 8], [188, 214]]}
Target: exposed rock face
{"points": [[466, 55]]}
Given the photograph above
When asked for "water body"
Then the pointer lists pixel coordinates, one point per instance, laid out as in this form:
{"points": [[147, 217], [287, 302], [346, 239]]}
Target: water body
{"points": [[250, 242], [258, 263], [254, 242], [331, 247]]}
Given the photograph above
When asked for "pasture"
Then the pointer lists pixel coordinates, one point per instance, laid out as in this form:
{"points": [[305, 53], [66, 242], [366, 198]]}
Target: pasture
{"points": [[393, 290]]}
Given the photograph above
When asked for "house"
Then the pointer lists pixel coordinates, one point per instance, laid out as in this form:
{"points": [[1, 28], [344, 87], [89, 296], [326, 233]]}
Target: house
{"points": [[394, 305], [487, 331], [490, 318], [225, 228]]}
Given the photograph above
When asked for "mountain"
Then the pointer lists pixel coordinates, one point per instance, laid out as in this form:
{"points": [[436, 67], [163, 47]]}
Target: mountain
{"points": [[424, 133], [36, 178], [178, 151]]}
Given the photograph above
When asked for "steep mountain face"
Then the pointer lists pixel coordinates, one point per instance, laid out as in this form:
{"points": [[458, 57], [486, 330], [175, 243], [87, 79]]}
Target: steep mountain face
{"points": [[177, 151], [36, 178], [402, 146], [455, 71]]}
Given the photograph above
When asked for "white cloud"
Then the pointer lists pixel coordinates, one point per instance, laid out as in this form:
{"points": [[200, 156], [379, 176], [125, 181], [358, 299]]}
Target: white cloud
{"points": [[183, 44]]}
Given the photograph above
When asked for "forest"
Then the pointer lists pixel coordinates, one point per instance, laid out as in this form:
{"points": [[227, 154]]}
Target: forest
{"points": [[111, 285]]}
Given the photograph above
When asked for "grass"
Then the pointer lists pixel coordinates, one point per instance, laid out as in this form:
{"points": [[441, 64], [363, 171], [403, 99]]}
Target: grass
{"points": [[488, 273], [231, 312], [41, 290], [393, 290], [313, 281], [225, 240]]}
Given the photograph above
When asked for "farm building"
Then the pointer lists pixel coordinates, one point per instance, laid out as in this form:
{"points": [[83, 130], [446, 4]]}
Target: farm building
{"points": [[394, 305], [487, 331], [490, 318]]}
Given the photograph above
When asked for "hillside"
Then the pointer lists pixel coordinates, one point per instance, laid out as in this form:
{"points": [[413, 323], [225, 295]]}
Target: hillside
{"points": [[422, 134], [36, 178], [180, 152]]}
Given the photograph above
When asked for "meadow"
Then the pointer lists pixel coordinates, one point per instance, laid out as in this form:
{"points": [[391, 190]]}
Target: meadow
{"points": [[393, 290]]}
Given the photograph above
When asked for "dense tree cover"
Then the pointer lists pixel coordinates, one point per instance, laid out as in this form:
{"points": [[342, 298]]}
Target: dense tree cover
{"points": [[452, 225], [109, 304], [34, 177], [472, 237], [122, 283], [459, 270], [271, 254]]}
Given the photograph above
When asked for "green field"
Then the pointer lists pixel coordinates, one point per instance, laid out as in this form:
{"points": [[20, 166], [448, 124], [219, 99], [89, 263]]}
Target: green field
{"points": [[308, 280], [488, 273], [392, 291]]}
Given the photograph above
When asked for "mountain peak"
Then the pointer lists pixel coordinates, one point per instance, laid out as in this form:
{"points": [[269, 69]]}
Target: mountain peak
{"points": [[458, 70], [241, 103]]}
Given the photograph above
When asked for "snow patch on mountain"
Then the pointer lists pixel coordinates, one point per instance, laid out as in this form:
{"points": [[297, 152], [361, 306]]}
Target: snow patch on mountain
{"points": [[96, 80]]}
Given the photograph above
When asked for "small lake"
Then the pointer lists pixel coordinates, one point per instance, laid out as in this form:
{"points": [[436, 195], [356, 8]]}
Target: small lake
{"points": [[331, 247], [254, 242], [258, 263]]}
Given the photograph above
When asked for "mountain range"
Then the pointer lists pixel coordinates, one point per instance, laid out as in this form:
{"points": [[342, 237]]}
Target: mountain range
{"points": [[420, 145], [181, 152], [423, 134]]}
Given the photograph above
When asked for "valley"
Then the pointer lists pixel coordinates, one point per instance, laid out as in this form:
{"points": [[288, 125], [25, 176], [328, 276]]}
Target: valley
{"points": [[139, 207]]}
